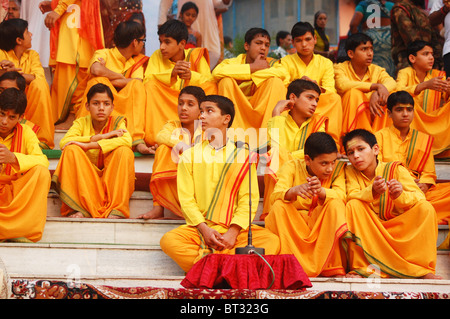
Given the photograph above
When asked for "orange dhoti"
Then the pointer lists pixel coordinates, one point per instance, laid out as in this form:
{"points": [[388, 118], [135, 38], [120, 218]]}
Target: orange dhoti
{"points": [[255, 110], [403, 246], [97, 193], [23, 204], [40, 112], [313, 237], [163, 183], [186, 246], [162, 104], [356, 113], [68, 87], [130, 102], [438, 196]]}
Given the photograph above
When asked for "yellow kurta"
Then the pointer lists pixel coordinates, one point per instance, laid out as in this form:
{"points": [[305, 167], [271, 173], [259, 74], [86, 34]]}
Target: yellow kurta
{"points": [[24, 189], [97, 183], [319, 69], [393, 148], [287, 141], [254, 94], [432, 109], [308, 230], [130, 101], [162, 93], [199, 178], [355, 93], [163, 182], [389, 246], [39, 104], [72, 60]]}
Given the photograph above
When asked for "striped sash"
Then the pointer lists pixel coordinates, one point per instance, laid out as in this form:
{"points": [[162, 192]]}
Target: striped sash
{"points": [[16, 146], [111, 125], [386, 202], [418, 151], [432, 98]]}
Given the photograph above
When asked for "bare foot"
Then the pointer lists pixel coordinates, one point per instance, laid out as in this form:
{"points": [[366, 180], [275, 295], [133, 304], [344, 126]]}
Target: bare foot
{"points": [[76, 215], [155, 213], [431, 276], [353, 275]]}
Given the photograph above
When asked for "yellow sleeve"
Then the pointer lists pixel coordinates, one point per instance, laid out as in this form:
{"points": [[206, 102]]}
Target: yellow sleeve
{"points": [[241, 213], [62, 6], [158, 70], [98, 54], [327, 81], [110, 144], [388, 81], [36, 68], [202, 75], [276, 70], [404, 83], [344, 83], [338, 188], [234, 68], [411, 192], [32, 154], [76, 133], [285, 181], [428, 175], [169, 135], [355, 189], [186, 190]]}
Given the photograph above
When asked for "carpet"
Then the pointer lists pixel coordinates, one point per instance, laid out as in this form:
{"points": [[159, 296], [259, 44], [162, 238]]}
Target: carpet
{"points": [[47, 289]]}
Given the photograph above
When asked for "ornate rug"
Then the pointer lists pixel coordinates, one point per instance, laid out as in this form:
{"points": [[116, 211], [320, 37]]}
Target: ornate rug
{"points": [[46, 289]]}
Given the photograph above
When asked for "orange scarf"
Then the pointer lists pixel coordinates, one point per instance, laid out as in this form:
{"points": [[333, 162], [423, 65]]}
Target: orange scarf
{"points": [[16, 146]]}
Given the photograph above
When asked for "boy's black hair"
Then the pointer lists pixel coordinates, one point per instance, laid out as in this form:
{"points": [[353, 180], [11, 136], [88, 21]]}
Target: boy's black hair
{"points": [[10, 30], [356, 39], [363, 134], [174, 29], [227, 40], [99, 88], [319, 143], [399, 97], [299, 86], [187, 6], [415, 46], [15, 76], [126, 32], [253, 32], [225, 105], [14, 100], [196, 91], [281, 35], [301, 28]]}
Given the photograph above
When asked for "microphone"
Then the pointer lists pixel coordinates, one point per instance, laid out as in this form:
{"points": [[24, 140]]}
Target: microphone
{"points": [[249, 249]]}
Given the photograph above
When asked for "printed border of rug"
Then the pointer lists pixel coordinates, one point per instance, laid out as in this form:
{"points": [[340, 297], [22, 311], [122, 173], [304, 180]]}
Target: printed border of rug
{"points": [[47, 289]]}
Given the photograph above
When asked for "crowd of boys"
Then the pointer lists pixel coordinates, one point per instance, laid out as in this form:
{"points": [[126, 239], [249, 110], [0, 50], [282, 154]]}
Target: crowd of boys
{"points": [[349, 181]]}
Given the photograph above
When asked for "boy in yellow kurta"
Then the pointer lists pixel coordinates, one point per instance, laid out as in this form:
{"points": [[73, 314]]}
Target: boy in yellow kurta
{"points": [[392, 227], [24, 174], [363, 86], [122, 70], [175, 137], [15, 55], [430, 89], [254, 82], [293, 121], [169, 69], [308, 209], [314, 67], [95, 175], [400, 142], [213, 187], [75, 34]]}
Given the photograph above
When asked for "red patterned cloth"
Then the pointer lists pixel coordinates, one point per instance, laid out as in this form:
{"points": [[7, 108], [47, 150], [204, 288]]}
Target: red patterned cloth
{"points": [[247, 272]]}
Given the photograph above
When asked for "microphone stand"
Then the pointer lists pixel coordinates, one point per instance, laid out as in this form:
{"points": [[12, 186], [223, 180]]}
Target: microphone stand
{"points": [[249, 249]]}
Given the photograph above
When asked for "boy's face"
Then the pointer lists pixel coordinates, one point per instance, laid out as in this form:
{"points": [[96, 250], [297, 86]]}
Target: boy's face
{"points": [[8, 120], [211, 116], [169, 46], [188, 108], [100, 107], [402, 115], [260, 45], [26, 41], [286, 43], [306, 103], [363, 54], [304, 44], [424, 59], [321, 166], [360, 154]]}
